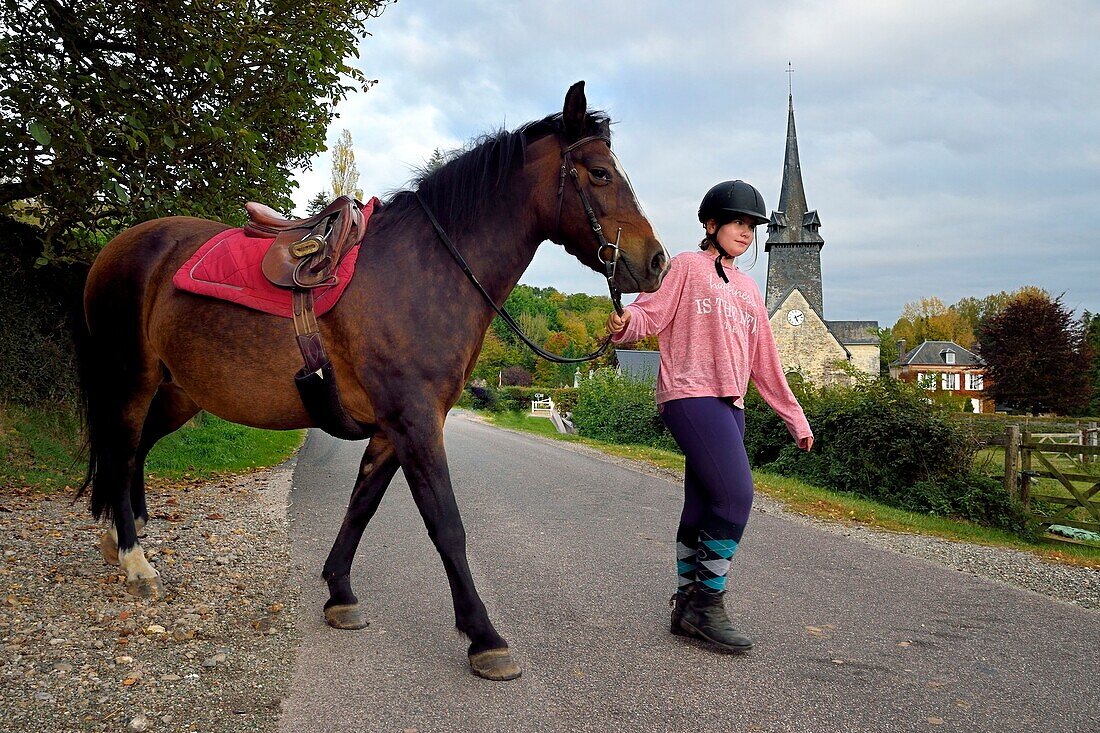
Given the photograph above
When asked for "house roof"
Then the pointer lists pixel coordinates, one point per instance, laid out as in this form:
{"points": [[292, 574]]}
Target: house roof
{"points": [[792, 222], [853, 332], [930, 353], [642, 365]]}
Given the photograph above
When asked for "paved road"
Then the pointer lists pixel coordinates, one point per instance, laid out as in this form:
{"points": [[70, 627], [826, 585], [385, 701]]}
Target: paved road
{"points": [[573, 557]]}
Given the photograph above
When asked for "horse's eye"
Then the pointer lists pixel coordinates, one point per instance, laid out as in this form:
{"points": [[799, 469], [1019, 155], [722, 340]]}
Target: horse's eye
{"points": [[600, 176]]}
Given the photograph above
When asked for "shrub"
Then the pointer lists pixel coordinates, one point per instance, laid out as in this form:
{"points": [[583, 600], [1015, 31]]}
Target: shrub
{"points": [[38, 362], [565, 399], [516, 376], [884, 440], [484, 398], [617, 409]]}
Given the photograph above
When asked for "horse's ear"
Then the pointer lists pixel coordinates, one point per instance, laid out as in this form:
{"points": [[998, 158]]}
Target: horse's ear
{"points": [[572, 114]]}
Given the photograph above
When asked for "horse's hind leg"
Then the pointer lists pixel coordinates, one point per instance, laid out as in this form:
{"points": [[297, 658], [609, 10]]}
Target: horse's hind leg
{"points": [[418, 440], [375, 473], [170, 409]]}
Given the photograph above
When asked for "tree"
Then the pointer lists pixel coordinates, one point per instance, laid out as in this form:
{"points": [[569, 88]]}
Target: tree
{"points": [[1036, 357], [436, 161], [516, 376], [114, 113], [345, 174], [930, 320], [887, 349], [975, 310], [319, 201], [1091, 326]]}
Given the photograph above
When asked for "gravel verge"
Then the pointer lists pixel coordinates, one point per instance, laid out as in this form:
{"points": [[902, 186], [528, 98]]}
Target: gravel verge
{"points": [[80, 654], [1069, 583]]}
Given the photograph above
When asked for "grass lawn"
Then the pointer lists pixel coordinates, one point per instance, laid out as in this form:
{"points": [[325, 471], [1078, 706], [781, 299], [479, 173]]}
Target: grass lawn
{"points": [[810, 500], [40, 449]]}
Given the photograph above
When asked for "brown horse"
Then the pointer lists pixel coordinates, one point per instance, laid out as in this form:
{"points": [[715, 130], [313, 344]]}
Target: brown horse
{"points": [[403, 340]]}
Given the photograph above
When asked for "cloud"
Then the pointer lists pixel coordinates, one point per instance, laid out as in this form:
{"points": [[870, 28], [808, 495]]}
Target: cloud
{"points": [[949, 148]]}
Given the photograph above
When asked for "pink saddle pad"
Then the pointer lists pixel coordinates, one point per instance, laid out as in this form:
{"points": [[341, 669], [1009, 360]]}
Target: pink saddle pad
{"points": [[228, 267]]}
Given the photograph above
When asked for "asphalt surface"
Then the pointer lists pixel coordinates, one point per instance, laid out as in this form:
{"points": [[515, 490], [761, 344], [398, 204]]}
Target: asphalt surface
{"points": [[574, 558]]}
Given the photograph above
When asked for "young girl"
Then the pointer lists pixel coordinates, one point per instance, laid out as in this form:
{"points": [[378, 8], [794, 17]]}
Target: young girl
{"points": [[714, 336]]}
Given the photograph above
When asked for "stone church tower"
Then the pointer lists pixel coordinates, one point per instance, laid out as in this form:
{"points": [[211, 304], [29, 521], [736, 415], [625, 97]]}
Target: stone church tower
{"points": [[808, 344]]}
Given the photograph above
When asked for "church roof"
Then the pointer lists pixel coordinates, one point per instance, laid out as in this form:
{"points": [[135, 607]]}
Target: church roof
{"points": [[793, 222], [853, 332]]}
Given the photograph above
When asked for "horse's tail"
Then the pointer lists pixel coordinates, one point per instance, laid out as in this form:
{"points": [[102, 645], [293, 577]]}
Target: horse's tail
{"points": [[89, 358]]}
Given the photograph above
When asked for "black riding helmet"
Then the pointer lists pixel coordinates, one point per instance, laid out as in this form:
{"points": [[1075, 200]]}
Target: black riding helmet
{"points": [[729, 198], [725, 202]]}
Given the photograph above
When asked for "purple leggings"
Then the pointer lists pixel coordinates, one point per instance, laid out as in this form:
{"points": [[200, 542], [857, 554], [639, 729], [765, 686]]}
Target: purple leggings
{"points": [[717, 479]]}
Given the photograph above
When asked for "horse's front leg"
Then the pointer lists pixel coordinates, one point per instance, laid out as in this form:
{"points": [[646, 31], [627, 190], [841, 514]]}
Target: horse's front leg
{"points": [[418, 439], [375, 473]]}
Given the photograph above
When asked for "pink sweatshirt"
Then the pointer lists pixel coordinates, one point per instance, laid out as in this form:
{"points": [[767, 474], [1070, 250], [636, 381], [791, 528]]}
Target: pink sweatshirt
{"points": [[714, 336]]}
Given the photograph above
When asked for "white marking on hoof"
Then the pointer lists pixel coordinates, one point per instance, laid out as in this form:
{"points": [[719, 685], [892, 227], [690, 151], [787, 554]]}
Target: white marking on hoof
{"points": [[139, 524], [142, 579]]}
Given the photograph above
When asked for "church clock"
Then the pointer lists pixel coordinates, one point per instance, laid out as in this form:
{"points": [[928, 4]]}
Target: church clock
{"points": [[795, 317]]}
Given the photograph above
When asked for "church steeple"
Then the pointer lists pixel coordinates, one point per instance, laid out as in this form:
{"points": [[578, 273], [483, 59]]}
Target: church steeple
{"points": [[794, 245], [793, 222]]}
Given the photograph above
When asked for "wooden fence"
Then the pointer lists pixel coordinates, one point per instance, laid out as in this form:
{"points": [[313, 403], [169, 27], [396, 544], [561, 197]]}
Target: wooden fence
{"points": [[1028, 457]]}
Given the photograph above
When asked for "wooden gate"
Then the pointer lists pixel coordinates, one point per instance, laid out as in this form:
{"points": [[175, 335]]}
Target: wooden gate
{"points": [[1027, 460]]}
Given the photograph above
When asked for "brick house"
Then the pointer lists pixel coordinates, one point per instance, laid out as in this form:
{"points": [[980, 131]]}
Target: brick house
{"points": [[944, 366]]}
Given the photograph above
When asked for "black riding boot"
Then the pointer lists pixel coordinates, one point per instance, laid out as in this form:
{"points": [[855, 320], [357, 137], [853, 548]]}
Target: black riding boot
{"points": [[702, 615], [678, 602]]}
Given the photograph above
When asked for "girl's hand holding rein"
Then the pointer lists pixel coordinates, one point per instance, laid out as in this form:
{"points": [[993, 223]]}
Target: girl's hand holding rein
{"points": [[806, 443], [616, 323]]}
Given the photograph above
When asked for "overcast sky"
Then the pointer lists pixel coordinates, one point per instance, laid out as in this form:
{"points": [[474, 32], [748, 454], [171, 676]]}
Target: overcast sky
{"points": [[951, 148]]}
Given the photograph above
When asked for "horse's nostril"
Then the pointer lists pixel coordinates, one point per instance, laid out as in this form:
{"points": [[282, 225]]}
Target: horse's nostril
{"points": [[657, 263]]}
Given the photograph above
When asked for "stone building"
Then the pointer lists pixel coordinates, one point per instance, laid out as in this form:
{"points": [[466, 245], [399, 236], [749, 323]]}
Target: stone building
{"points": [[808, 344]]}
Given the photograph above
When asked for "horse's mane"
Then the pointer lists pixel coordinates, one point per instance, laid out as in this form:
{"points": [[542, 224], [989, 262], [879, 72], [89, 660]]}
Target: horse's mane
{"points": [[459, 189]]}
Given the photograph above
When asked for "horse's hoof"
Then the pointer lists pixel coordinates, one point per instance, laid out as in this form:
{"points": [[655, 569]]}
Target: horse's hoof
{"points": [[109, 549], [495, 664], [345, 616], [145, 587]]}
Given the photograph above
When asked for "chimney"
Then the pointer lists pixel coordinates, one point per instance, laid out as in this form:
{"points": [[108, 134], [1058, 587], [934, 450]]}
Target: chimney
{"points": [[901, 349]]}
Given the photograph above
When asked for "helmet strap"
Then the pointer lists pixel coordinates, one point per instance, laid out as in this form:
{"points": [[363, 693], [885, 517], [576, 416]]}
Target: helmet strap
{"points": [[713, 239]]}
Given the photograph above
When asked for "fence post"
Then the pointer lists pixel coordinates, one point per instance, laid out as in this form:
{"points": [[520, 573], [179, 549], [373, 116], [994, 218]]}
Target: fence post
{"points": [[1025, 466], [1012, 446], [1094, 438]]}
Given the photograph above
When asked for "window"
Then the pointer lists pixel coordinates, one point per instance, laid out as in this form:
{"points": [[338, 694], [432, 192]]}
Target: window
{"points": [[949, 357], [951, 381], [928, 381], [974, 382]]}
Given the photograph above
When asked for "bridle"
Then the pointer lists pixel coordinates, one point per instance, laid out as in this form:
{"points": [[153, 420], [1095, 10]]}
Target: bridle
{"points": [[610, 264]]}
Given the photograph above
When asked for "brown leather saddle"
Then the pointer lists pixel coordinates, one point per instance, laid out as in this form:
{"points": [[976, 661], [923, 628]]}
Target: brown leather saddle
{"points": [[306, 252], [303, 255]]}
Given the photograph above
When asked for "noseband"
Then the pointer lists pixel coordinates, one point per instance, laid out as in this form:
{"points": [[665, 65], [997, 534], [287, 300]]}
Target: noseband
{"points": [[610, 264]]}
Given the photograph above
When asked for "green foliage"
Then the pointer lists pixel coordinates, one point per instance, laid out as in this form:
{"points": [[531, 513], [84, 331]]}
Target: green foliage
{"points": [[115, 113], [618, 409], [317, 204], [570, 325], [1091, 325], [1036, 356], [38, 365], [515, 399], [885, 440]]}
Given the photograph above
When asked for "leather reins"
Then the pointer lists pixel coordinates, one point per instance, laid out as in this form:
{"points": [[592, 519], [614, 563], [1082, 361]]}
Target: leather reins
{"points": [[610, 265]]}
